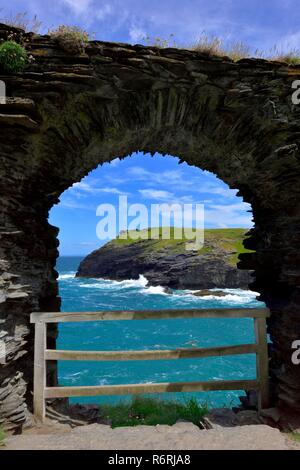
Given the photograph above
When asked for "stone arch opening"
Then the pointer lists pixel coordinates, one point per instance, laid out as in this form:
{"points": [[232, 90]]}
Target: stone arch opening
{"points": [[78, 205], [67, 114]]}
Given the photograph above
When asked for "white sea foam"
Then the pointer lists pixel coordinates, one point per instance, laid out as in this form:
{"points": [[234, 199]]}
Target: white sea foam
{"points": [[94, 285], [238, 296], [142, 281], [233, 296], [69, 275], [155, 290]]}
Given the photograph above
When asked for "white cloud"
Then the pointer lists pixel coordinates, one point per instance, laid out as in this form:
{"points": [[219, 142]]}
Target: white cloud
{"points": [[115, 162], [70, 203], [166, 197], [136, 34], [238, 206], [72, 198], [79, 6], [103, 12], [214, 188], [112, 191], [156, 194], [82, 186], [91, 188], [178, 180], [139, 172], [176, 177], [230, 215]]}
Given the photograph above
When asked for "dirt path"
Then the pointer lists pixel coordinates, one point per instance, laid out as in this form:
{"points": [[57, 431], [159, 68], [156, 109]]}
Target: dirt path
{"points": [[181, 436]]}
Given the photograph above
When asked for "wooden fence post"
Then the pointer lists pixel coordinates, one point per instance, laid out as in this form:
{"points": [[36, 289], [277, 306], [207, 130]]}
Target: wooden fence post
{"points": [[39, 405], [262, 362]]}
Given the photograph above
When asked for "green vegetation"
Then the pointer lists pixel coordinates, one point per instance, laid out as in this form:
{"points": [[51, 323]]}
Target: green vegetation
{"points": [[71, 38], [295, 436], [13, 57], [152, 411], [2, 438], [291, 58], [164, 236], [229, 240]]}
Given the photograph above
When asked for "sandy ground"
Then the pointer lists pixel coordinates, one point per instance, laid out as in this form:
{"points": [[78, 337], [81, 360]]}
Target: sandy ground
{"points": [[181, 436]]}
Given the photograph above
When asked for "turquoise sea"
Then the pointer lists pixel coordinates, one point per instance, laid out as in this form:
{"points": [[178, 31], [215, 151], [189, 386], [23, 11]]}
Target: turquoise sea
{"points": [[96, 294]]}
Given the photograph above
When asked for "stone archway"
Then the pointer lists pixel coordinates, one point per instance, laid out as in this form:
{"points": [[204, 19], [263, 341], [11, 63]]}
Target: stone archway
{"points": [[66, 114]]}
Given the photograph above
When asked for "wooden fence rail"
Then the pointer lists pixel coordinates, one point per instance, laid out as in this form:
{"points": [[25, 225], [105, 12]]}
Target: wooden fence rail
{"points": [[42, 355]]}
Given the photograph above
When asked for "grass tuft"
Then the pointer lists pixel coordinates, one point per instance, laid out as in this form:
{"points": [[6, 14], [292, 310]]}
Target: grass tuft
{"points": [[236, 50], [153, 411], [71, 38], [22, 21], [214, 46], [159, 42], [2, 438], [291, 58], [209, 45], [295, 436]]}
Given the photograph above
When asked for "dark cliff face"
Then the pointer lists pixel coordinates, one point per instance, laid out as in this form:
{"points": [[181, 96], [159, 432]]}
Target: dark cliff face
{"points": [[166, 266]]}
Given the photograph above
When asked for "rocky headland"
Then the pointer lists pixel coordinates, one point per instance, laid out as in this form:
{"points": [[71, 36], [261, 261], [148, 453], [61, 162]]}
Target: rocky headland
{"points": [[167, 262]]}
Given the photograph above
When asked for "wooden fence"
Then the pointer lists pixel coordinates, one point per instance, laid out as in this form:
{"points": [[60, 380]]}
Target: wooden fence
{"points": [[42, 354]]}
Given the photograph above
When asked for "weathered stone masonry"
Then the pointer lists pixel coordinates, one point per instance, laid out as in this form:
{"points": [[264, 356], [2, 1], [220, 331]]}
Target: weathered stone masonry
{"points": [[66, 114]]}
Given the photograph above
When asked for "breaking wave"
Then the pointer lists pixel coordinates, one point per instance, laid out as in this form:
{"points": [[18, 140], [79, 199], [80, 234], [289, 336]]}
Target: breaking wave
{"points": [[159, 290], [233, 296], [140, 282], [132, 287], [70, 275]]}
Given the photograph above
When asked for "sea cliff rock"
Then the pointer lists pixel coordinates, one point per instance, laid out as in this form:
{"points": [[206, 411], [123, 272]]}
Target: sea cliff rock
{"points": [[206, 292], [168, 263]]}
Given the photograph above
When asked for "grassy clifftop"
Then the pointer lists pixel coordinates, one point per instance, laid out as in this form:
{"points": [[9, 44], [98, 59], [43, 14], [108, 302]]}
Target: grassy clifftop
{"points": [[227, 240], [170, 259]]}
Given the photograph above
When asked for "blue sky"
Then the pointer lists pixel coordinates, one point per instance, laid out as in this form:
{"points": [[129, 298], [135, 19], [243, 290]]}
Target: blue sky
{"points": [[259, 23]]}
